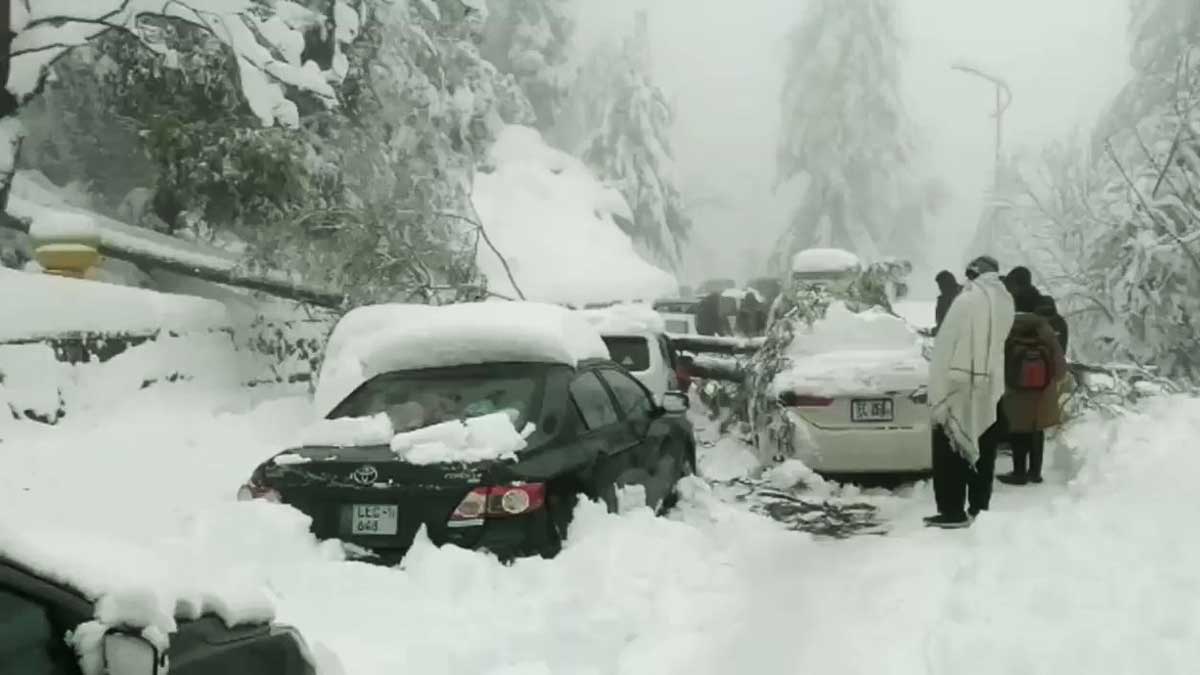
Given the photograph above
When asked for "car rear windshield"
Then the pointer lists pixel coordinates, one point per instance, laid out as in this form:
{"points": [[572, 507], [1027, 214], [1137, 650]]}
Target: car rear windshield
{"points": [[420, 398], [675, 307], [676, 326], [631, 352]]}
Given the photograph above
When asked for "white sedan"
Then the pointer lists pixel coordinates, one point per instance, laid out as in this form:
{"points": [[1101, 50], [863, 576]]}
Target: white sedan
{"points": [[848, 395], [870, 415]]}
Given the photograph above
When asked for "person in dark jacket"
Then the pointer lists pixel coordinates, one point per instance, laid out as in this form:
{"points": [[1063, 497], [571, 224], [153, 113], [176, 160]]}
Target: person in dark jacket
{"points": [[1048, 310], [948, 289], [708, 315], [1030, 411], [1026, 296], [751, 315]]}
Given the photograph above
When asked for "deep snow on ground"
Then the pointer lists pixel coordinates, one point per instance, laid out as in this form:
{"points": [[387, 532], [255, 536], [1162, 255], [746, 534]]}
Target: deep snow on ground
{"points": [[1095, 572]]}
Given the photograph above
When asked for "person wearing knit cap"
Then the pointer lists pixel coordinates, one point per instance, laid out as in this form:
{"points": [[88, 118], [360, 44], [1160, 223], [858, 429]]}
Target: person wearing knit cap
{"points": [[966, 383]]}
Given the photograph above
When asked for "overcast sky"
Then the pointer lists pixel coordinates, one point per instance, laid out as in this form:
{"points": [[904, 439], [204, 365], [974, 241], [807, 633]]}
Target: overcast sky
{"points": [[722, 68]]}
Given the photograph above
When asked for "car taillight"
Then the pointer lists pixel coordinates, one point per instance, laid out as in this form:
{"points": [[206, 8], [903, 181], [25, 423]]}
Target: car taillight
{"points": [[252, 490], [501, 501], [793, 400]]}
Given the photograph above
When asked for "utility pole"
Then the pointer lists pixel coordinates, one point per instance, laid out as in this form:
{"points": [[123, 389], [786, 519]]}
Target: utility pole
{"points": [[1004, 99]]}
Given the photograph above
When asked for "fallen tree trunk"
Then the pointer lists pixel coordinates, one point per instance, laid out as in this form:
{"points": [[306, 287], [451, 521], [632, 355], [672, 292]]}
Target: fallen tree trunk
{"points": [[716, 345], [215, 274], [716, 368]]}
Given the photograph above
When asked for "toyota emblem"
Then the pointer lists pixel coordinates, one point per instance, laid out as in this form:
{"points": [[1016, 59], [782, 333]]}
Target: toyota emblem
{"points": [[365, 475]]}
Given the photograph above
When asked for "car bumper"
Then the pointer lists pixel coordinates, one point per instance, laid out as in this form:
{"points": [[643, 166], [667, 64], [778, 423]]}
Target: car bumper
{"points": [[507, 539], [850, 451]]}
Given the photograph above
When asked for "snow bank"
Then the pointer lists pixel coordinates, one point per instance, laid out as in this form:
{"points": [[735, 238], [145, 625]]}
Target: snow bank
{"points": [[475, 439], [625, 319], [816, 260], [552, 220], [382, 339], [34, 306], [852, 353]]}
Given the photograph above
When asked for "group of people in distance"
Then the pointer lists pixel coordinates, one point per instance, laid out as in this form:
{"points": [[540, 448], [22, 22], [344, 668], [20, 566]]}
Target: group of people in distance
{"points": [[999, 359]]}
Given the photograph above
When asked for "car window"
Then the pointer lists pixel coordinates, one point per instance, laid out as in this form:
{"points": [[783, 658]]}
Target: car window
{"points": [[593, 401], [633, 352], [28, 641], [668, 353], [631, 396], [677, 326], [416, 399]]}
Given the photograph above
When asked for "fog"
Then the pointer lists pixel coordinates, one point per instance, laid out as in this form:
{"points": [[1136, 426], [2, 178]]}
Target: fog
{"points": [[723, 69]]}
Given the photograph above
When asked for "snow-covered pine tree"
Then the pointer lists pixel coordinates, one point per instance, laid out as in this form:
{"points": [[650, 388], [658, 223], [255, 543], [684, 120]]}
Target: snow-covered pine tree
{"points": [[530, 40], [846, 136], [629, 146]]}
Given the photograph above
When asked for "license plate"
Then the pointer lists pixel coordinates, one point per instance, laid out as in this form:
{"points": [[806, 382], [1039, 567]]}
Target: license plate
{"points": [[373, 519], [872, 410]]}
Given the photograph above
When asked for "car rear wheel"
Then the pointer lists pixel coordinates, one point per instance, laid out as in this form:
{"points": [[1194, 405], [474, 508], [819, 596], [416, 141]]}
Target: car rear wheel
{"points": [[560, 510]]}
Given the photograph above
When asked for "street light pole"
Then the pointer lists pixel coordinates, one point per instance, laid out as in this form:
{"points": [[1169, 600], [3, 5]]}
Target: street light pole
{"points": [[986, 233], [1003, 101]]}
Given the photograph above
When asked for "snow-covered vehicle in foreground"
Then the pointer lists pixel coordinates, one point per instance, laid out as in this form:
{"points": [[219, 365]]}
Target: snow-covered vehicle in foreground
{"points": [[48, 625], [840, 383], [482, 424]]}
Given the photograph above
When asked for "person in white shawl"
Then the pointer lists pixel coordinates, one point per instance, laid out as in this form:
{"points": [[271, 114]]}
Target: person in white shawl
{"points": [[966, 382]]}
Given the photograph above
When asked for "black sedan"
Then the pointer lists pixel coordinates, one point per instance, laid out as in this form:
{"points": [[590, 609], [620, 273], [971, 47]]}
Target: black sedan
{"points": [[596, 431], [38, 614]]}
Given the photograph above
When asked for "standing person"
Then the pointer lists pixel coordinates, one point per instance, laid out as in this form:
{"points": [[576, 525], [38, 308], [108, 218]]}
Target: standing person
{"points": [[1034, 367], [748, 313], [1048, 309], [948, 289], [966, 383], [708, 314], [1026, 296]]}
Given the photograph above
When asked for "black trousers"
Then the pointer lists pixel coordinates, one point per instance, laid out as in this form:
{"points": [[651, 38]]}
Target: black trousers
{"points": [[1028, 451], [955, 481]]}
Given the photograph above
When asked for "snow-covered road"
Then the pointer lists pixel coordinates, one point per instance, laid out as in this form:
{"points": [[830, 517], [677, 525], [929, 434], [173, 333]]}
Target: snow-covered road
{"points": [[1099, 574]]}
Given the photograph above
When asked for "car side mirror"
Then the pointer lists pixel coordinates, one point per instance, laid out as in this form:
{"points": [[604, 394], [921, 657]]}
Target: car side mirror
{"points": [[675, 402], [129, 654]]}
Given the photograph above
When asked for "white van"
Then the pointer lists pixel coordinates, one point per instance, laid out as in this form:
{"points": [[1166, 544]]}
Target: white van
{"points": [[637, 340]]}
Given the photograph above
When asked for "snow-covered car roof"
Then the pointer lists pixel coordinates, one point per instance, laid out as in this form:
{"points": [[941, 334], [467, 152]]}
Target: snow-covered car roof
{"points": [[850, 352], [131, 586], [377, 339], [825, 260], [625, 319], [35, 305]]}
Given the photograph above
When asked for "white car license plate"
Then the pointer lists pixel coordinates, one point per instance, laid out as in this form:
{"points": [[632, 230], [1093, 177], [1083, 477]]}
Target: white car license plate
{"points": [[373, 519], [872, 410]]}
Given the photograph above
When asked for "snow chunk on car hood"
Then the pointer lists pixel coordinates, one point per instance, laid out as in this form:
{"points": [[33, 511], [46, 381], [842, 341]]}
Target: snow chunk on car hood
{"points": [[475, 439], [370, 341], [345, 432], [853, 353]]}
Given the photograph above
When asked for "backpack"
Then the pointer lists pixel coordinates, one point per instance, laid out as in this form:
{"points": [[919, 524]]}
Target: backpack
{"points": [[1028, 363]]}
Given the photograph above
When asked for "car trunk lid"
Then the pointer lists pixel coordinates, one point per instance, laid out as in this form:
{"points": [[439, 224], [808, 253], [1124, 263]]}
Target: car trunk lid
{"points": [[858, 390], [368, 496]]}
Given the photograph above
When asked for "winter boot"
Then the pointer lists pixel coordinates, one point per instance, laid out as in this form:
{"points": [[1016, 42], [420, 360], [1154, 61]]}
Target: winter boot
{"points": [[1014, 478], [948, 522]]}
